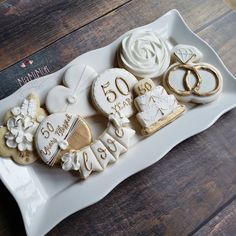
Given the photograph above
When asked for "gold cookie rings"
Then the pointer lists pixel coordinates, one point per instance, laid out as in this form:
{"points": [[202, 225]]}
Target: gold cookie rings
{"points": [[195, 88], [191, 81]]}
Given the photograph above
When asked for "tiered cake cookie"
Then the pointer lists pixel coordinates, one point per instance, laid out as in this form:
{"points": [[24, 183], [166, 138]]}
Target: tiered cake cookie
{"points": [[156, 108]]}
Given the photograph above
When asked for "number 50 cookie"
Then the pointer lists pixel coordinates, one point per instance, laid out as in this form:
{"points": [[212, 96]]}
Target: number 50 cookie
{"points": [[112, 92]]}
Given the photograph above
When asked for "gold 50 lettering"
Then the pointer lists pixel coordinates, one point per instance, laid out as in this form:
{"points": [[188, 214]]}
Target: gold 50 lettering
{"points": [[111, 94], [143, 88], [46, 131]]}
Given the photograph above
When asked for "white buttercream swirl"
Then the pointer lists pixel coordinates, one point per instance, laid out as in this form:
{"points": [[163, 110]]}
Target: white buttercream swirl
{"points": [[144, 53]]}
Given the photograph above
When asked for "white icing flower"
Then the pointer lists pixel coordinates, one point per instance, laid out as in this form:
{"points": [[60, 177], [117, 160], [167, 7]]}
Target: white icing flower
{"points": [[29, 108], [21, 126], [144, 53], [70, 161], [20, 132], [63, 144]]}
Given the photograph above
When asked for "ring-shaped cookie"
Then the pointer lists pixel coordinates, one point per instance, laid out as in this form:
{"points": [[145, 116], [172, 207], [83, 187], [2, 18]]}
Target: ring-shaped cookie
{"points": [[194, 89]]}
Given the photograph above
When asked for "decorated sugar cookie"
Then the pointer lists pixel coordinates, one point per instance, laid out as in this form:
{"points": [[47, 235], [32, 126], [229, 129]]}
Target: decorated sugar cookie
{"points": [[112, 92], [60, 132], [18, 130], [102, 154], [190, 80], [73, 95], [88, 162], [144, 53], [156, 108], [105, 150]]}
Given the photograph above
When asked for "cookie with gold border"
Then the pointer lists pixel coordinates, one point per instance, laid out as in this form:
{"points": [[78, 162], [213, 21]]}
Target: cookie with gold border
{"points": [[17, 133]]}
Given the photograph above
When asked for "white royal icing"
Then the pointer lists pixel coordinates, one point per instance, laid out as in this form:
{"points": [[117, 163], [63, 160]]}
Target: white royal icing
{"points": [[144, 53], [154, 105], [22, 126], [121, 134], [113, 146], [187, 53], [112, 92], [106, 149], [52, 135], [102, 154], [88, 162], [117, 120], [74, 95], [70, 161]]}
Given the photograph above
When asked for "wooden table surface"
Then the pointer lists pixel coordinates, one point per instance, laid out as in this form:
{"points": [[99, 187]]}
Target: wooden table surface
{"points": [[192, 190]]}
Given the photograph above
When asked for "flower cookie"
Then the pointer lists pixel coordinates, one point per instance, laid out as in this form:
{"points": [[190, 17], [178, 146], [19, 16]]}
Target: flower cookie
{"points": [[112, 92], [73, 95], [190, 80], [60, 132], [144, 53], [105, 150], [17, 134], [156, 108]]}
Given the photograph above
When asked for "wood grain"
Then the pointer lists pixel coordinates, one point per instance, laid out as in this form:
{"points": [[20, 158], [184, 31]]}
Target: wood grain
{"points": [[183, 193], [221, 36], [28, 26], [102, 32], [173, 196], [223, 223]]}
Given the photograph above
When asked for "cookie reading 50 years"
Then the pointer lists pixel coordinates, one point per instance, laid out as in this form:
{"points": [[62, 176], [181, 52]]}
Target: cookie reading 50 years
{"points": [[112, 92], [59, 133]]}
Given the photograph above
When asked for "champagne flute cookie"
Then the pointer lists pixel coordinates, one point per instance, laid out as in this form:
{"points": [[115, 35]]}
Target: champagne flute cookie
{"points": [[18, 130]]}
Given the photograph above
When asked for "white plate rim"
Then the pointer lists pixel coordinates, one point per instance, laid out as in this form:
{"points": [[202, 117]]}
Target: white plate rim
{"points": [[52, 205]]}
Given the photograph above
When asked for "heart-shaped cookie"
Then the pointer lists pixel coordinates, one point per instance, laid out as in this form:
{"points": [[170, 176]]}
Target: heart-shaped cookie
{"points": [[73, 95]]}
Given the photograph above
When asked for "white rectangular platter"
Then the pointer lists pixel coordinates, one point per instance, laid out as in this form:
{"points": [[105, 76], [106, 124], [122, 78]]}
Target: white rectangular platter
{"points": [[48, 195]]}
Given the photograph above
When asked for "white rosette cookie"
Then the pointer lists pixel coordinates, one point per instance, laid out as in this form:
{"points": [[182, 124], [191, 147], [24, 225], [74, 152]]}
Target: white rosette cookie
{"points": [[144, 53]]}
